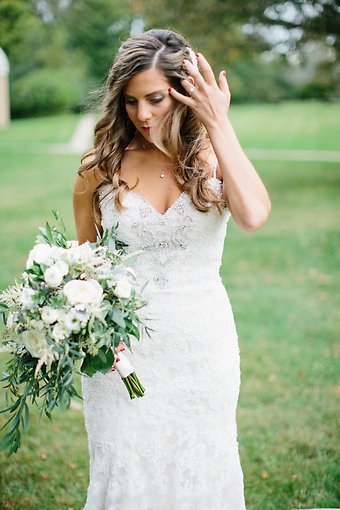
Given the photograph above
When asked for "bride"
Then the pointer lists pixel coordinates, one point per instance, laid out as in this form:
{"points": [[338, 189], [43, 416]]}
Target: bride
{"points": [[167, 166]]}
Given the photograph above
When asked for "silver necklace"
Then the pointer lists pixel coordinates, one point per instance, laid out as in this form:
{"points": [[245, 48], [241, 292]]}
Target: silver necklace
{"points": [[162, 173]]}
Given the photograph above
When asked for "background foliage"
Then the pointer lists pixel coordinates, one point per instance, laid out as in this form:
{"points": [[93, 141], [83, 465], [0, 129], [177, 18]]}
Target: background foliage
{"points": [[271, 50]]}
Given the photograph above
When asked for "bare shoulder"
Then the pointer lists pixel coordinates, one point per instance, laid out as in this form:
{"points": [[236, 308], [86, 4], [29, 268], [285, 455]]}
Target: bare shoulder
{"points": [[82, 200], [208, 155], [86, 182]]}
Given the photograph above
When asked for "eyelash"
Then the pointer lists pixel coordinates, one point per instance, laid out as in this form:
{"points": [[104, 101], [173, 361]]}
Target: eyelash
{"points": [[155, 101]]}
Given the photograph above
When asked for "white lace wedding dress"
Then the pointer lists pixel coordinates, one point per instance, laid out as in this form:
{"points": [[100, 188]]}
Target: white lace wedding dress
{"points": [[176, 447]]}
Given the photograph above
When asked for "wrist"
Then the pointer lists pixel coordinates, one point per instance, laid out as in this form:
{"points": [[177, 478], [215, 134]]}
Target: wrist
{"points": [[218, 125]]}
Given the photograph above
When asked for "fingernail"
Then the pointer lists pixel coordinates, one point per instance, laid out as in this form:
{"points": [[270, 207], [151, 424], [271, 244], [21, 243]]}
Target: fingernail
{"points": [[224, 72], [198, 55], [169, 90], [183, 62]]}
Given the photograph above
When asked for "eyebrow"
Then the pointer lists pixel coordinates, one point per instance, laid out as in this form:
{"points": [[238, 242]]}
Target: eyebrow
{"points": [[147, 95]]}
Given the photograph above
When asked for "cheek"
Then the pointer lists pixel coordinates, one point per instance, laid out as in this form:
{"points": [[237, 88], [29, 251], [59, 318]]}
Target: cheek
{"points": [[167, 104]]}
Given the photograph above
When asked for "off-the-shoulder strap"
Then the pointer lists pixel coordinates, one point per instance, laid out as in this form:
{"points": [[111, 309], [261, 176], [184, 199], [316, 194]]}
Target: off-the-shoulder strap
{"points": [[215, 167]]}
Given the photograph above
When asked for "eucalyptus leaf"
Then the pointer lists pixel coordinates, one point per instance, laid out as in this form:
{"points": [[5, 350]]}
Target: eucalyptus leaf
{"points": [[117, 317], [102, 362]]}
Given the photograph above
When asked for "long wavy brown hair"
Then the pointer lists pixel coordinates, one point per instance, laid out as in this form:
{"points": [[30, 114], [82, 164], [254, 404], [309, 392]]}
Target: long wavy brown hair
{"points": [[179, 134]]}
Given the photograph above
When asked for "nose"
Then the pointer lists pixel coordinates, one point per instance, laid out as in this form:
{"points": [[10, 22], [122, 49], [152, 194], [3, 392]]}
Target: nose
{"points": [[143, 112]]}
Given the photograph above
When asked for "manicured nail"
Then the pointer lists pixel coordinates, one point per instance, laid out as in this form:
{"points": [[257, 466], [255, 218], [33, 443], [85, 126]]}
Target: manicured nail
{"points": [[184, 62], [224, 73], [198, 55], [169, 89]]}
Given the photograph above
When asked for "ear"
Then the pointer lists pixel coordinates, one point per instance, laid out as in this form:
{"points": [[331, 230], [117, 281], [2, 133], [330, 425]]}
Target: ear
{"points": [[192, 81]]}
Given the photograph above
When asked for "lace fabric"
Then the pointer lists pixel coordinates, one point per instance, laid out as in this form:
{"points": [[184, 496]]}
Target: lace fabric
{"points": [[162, 451]]}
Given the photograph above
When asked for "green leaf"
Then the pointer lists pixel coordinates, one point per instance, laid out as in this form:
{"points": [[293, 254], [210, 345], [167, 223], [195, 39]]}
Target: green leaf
{"points": [[117, 317], [49, 232], [102, 362], [26, 418]]}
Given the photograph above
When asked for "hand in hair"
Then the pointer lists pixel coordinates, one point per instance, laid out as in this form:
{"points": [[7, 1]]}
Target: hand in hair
{"points": [[209, 101]]}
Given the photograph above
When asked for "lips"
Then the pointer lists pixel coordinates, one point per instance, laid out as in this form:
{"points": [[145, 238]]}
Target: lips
{"points": [[146, 128]]}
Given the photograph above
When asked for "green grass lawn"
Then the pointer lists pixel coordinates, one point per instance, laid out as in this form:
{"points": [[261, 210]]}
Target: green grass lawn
{"points": [[54, 129], [288, 125], [282, 282]]}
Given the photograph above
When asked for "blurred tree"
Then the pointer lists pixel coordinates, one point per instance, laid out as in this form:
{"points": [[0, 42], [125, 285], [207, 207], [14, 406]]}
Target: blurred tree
{"points": [[263, 45], [94, 27], [234, 34], [21, 33]]}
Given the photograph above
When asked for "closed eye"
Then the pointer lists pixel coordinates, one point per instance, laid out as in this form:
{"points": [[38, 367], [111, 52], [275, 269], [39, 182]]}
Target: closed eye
{"points": [[157, 100], [154, 100]]}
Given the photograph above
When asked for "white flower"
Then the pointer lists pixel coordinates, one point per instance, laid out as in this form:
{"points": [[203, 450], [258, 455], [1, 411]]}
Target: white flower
{"points": [[26, 298], [104, 270], [75, 319], [43, 253], [83, 292], [54, 274], [34, 340], [82, 254], [49, 314], [36, 324], [72, 244], [59, 332], [62, 266], [53, 277], [123, 289]]}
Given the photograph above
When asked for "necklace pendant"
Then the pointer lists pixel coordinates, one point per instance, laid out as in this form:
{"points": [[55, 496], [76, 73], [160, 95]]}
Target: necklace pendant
{"points": [[162, 174]]}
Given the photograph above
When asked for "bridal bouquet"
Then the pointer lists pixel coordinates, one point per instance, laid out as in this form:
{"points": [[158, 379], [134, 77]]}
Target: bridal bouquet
{"points": [[73, 305]]}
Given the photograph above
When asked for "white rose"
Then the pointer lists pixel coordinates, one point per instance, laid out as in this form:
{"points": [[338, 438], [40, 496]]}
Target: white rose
{"points": [[26, 298], [49, 314], [59, 332], [34, 340], [83, 292], [82, 254], [53, 277], [123, 289], [43, 253], [62, 266], [54, 274]]}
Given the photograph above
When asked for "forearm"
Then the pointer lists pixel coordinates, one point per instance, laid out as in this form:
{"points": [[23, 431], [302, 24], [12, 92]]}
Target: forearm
{"points": [[243, 189]]}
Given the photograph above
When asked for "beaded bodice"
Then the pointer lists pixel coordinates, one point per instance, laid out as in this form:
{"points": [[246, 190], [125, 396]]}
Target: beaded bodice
{"points": [[183, 245]]}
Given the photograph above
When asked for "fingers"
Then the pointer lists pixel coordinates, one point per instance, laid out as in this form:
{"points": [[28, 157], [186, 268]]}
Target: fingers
{"points": [[194, 72], [180, 97], [224, 83], [206, 68]]}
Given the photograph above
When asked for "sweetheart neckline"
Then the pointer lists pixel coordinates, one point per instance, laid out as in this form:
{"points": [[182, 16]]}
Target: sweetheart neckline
{"points": [[152, 208]]}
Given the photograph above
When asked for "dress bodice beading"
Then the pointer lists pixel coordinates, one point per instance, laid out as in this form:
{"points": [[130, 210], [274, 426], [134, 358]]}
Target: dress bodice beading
{"points": [[181, 246]]}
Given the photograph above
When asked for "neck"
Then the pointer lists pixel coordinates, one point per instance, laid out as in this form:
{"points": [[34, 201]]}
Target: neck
{"points": [[140, 143]]}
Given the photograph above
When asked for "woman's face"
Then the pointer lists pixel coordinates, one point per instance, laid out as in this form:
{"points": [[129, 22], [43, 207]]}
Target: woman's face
{"points": [[146, 99]]}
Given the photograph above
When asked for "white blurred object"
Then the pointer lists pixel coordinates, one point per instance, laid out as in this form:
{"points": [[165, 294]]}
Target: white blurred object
{"points": [[4, 90], [82, 138]]}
